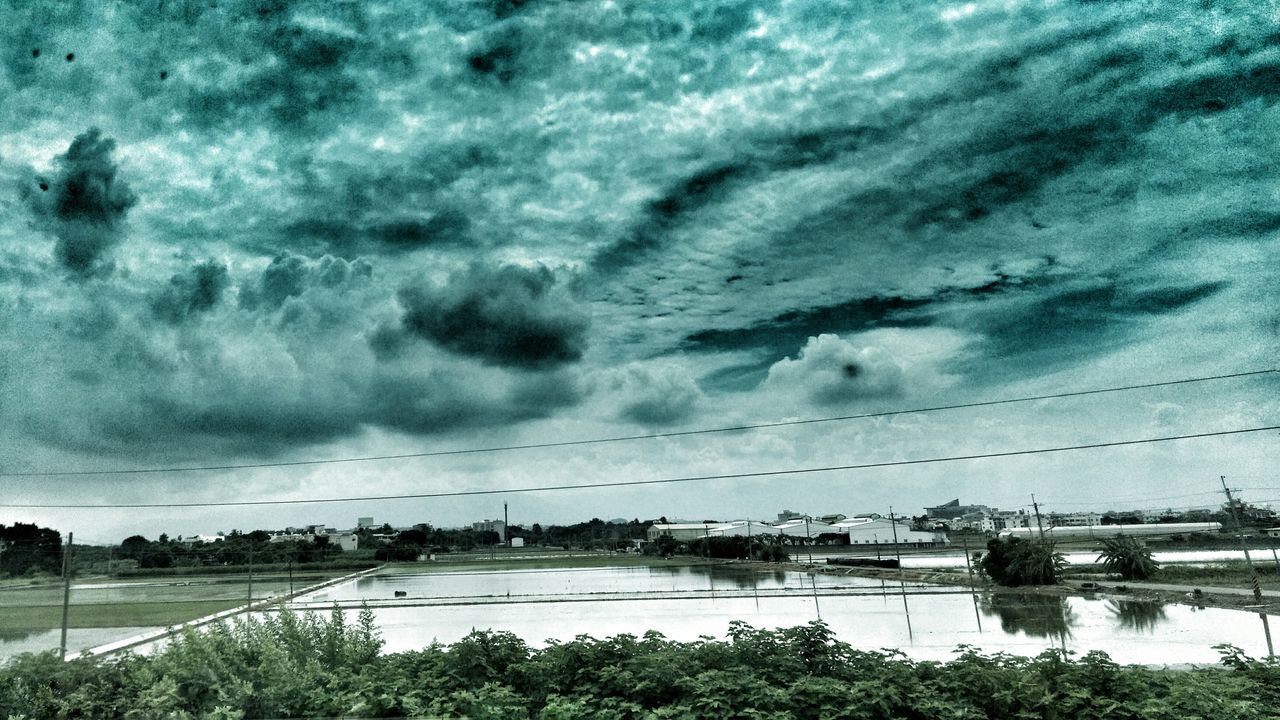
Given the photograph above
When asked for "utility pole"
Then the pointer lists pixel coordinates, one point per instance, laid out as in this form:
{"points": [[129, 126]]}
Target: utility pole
{"points": [[973, 588], [250, 600], [1039, 522], [1231, 504], [506, 526], [1255, 582], [808, 541], [902, 583], [66, 596]]}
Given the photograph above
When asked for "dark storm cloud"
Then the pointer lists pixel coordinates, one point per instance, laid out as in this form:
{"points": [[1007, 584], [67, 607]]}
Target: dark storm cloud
{"points": [[1028, 324], [510, 315], [290, 70], [789, 329], [397, 233], [434, 403], [1039, 334], [1065, 101], [291, 275], [84, 203], [448, 227], [191, 293], [757, 157], [783, 332]]}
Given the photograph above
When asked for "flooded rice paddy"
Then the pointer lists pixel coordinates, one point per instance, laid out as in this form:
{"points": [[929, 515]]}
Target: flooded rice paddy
{"points": [[926, 622]]}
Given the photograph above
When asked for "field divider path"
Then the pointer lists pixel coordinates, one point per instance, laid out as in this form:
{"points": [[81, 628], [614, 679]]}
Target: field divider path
{"points": [[263, 604], [722, 594]]}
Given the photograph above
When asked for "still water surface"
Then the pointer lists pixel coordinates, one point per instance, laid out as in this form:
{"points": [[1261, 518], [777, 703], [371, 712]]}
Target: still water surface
{"points": [[685, 603]]}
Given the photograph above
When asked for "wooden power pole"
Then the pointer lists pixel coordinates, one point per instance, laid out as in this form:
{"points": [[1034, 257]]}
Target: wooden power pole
{"points": [[66, 595]]}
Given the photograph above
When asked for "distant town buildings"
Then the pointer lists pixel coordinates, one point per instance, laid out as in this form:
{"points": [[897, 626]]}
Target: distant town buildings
{"points": [[835, 529], [497, 526]]}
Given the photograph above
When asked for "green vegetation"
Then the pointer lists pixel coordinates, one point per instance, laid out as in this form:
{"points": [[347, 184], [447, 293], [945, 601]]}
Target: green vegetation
{"points": [[292, 665], [738, 547], [29, 550], [136, 614], [237, 549], [1014, 562], [1127, 557], [1228, 573]]}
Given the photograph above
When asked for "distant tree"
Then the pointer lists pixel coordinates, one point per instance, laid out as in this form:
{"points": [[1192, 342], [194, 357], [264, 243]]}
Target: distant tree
{"points": [[134, 547], [30, 548], [1128, 557], [1014, 562], [412, 537]]}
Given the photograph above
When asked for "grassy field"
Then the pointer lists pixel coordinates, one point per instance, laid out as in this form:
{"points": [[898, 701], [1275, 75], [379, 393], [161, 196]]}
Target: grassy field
{"points": [[1234, 573], [134, 602], [134, 614]]}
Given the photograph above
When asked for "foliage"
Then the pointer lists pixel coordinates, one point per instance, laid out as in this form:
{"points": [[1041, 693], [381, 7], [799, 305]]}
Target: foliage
{"points": [[737, 547], [1014, 562], [1128, 557], [236, 550], [291, 665], [29, 549], [741, 547]]}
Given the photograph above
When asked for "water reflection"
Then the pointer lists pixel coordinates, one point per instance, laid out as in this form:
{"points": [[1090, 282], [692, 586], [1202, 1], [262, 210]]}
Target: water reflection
{"points": [[1139, 615], [739, 577], [16, 635], [1033, 614]]}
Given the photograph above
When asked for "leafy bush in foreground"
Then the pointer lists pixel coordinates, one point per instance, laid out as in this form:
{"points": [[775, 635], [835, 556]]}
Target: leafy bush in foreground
{"points": [[306, 665]]}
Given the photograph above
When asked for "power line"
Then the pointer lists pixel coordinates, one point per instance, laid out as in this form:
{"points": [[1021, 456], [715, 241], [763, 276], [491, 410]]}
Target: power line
{"points": [[628, 483], [1104, 501], [629, 438]]}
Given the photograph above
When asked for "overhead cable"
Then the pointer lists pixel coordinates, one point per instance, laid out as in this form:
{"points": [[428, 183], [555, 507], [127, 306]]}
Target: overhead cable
{"points": [[661, 481], [629, 438]]}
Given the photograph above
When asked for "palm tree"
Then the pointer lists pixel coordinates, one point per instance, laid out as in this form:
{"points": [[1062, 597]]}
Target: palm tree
{"points": [[1128, 558]]}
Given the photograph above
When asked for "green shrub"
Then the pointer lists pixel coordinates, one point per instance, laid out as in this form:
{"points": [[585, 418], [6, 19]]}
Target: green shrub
{"points": [[308, 665]]}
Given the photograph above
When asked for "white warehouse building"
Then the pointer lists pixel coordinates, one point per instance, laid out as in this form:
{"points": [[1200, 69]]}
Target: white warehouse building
{"points": [[882, 531]]}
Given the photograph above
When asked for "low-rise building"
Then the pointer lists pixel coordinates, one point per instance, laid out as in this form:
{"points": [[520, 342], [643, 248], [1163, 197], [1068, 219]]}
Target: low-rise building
{"points": [[806, 529], [681, 531], [952, 510], [1080, 519], [742, 528], [347, 541], [882, 532], [497, 526]]}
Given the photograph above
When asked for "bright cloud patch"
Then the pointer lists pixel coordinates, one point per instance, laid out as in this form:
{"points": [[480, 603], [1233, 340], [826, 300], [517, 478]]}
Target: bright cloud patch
{"points": [[830, 371]]}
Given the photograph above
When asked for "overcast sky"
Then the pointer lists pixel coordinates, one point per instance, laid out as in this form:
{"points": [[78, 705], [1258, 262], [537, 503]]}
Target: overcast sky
{"points": [[267, 231]]}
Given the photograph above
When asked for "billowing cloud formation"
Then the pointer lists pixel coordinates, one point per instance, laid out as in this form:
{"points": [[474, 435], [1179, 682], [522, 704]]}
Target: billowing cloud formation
{"points": [[655, 395], [1004, 197], [84, 203], [192, 292], [511, 315], [291, 275], [831, 371]]}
